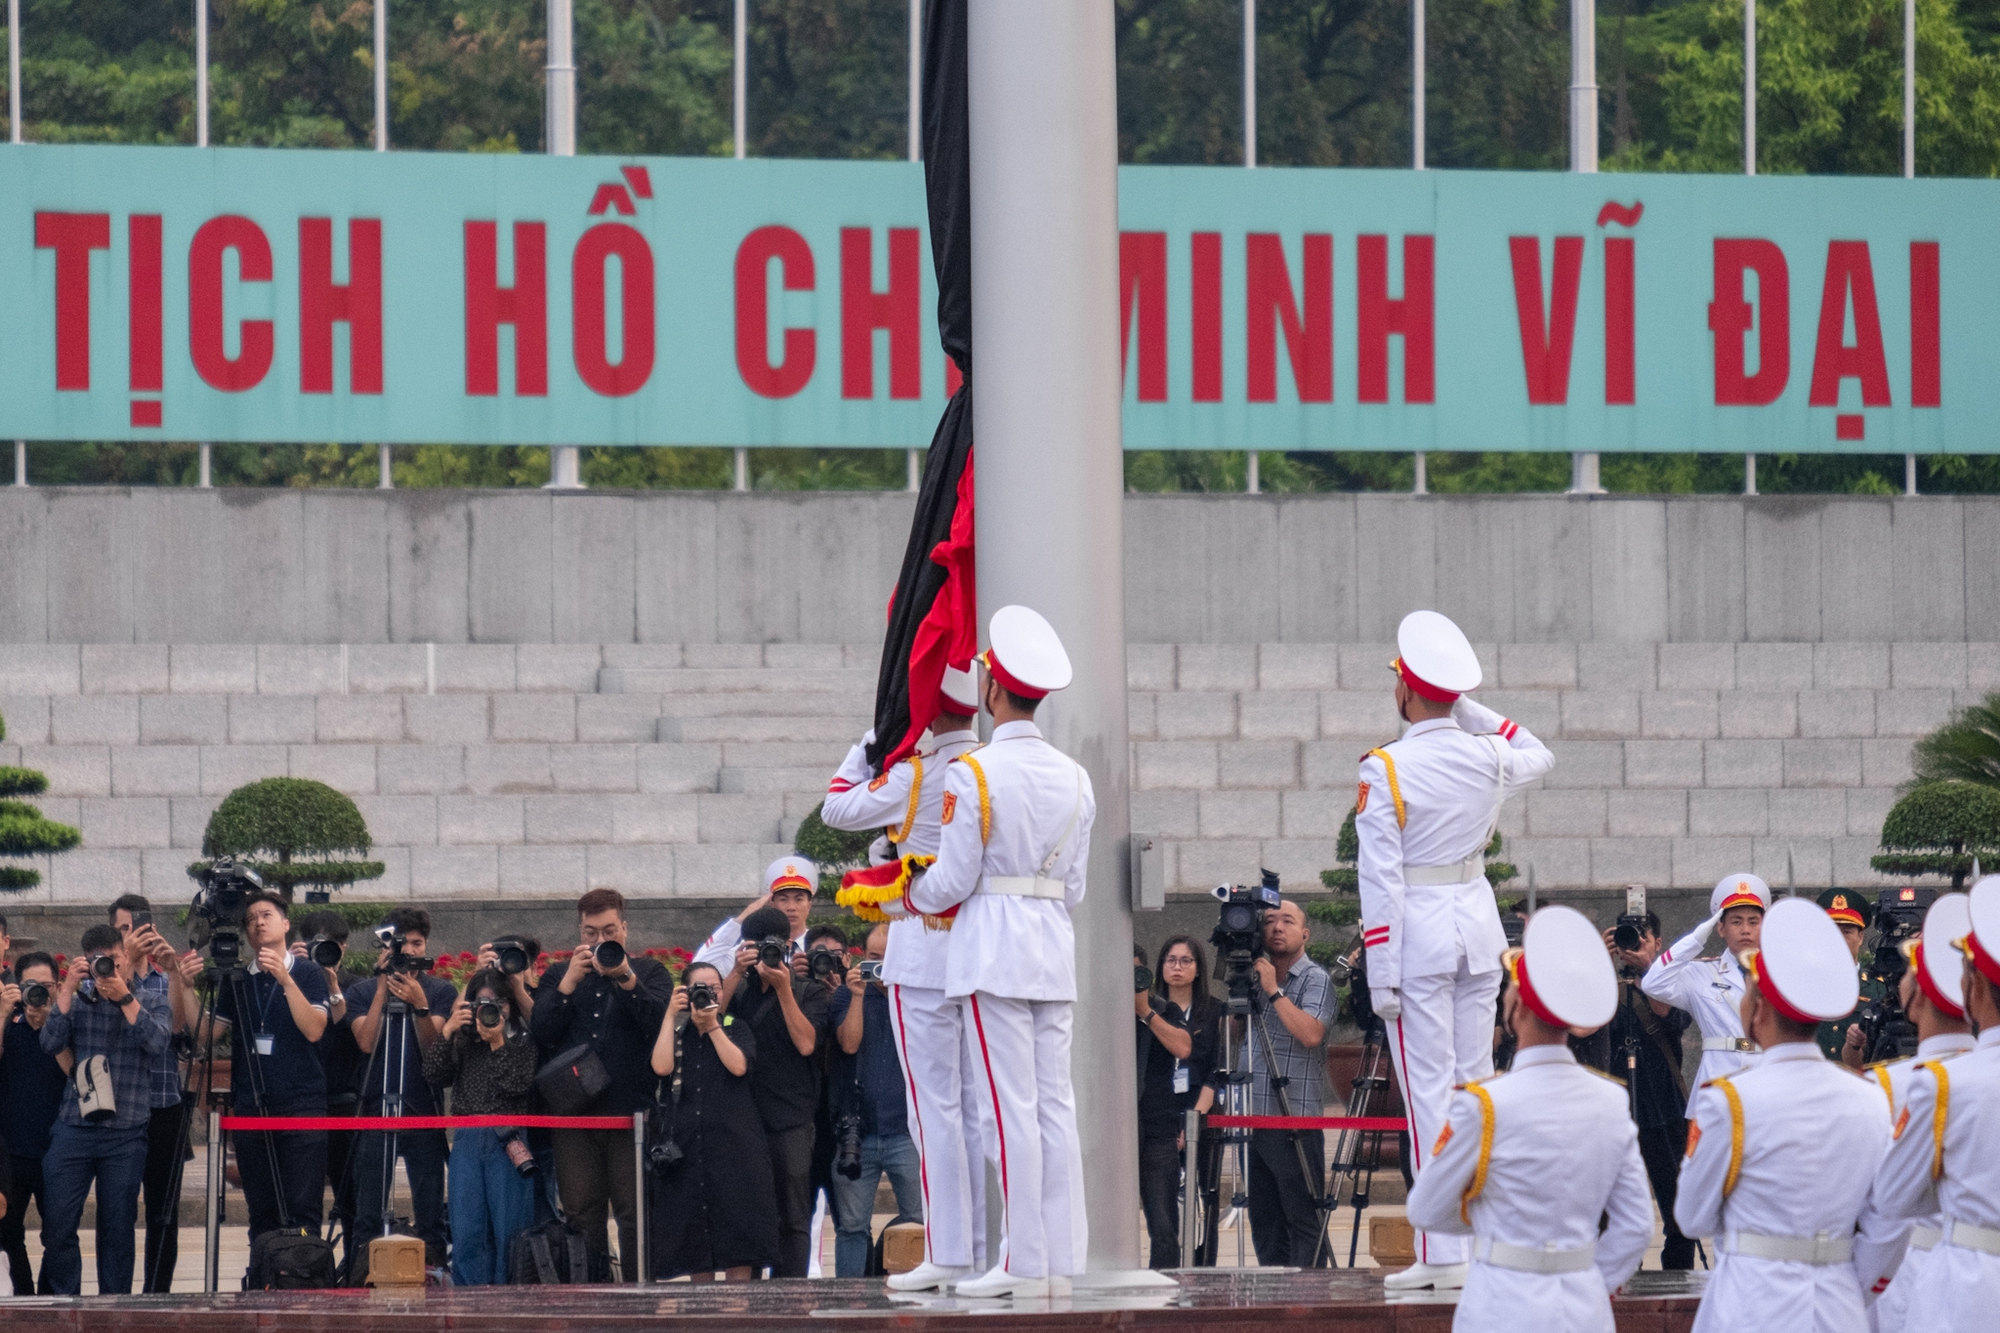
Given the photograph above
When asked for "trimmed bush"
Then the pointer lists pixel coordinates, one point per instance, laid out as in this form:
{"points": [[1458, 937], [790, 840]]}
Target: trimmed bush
{"points": [[23, 831], [1939, 829], [293, 832]]}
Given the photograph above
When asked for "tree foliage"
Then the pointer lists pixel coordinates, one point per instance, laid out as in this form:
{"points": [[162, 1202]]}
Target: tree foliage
{"points": [[273, 823], [1965, 749], [23, 831], [835, 852], [1941, 828]]}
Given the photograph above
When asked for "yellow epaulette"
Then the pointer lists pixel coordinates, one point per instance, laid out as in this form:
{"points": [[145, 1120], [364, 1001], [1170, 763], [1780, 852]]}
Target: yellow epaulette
{"points": [[1395, 790], [1735, 1100], [1938, 1116], [1478, 1184], [985, 797], [1608, 1078], [916, 763], [1878, 1069]]}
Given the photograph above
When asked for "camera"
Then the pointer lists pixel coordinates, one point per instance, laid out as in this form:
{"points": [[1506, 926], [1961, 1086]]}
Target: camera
{"points": [[35, 995], [392, 939], [1142, 977], [609, 955], [325, 951], [771, 951], [870, 969], [826, 963], [1630, 929], [518, 1151], [1899, 916], [665, 1155], [847, 1146], [701, 995], [512, 956], [489, 1013], [220, 909], [1239, 933], [103, 966]]}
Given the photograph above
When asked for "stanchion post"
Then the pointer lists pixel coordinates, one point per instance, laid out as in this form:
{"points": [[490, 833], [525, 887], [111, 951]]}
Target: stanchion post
{"points": [[211, 1256], [1191, 1190], [641, 1270]]}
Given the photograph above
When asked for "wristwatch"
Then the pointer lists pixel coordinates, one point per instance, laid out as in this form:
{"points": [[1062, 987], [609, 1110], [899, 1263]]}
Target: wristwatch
{"points": [[1272, 997], [421, 1013]]}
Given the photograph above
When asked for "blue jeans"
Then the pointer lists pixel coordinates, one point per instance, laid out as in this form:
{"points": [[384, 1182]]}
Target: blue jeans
{"points": [[490, 1202], [116, 1160], [854, 1200]]}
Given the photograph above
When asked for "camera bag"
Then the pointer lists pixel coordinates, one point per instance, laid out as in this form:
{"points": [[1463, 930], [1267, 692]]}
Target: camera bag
{"points": [[555, 1254], [96, 1096], [572, 1080], [290, 1259]]}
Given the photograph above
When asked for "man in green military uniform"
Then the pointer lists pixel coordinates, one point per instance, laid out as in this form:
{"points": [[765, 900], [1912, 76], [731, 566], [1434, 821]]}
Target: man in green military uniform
{"points": [[1843, 1038]]}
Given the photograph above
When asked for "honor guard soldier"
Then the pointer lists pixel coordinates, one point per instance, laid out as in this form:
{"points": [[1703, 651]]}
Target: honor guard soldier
{"points": [[1426, 809], [1529, 1161], [1711, 989], [789, 885], [907, 799], [1934, 998], [1781, 1154], [1852, 913], [1016, 821], [1945, 1153]]}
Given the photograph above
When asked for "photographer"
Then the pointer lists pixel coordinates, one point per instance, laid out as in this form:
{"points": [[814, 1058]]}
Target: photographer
{"points": [[394, 1042], [870, 1103], [785, 1016], [1179, 1022], [606, 1004], [1297, 1001], [486, 1053], [1645, 1051], [275, 1045], [511, 956], [114, 1035], [789, 885], [31, 1094], [157, 970], [709, 1215], [1846, 1039], [325, 932]]}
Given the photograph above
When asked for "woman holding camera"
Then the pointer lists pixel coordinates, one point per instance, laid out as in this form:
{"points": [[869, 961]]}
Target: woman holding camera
{"points": [[1179, 1022], [486, 1054], [713, 1208]]}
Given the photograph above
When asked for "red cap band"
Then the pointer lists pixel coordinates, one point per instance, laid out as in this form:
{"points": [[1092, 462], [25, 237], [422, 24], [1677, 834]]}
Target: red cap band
{"points": [[1745, 900], [1755, 962], [1528, 995], [1008, 682], [791, 881], [1988, 965], [1939, 1000], [1422, 686]]}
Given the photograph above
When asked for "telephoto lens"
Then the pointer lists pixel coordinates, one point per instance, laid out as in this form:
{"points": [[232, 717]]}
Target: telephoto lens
{"points": [[1626, 933], [35, 995], [847, 1146], [488, 1014], [1142, 977], [610, 955], [771, 951], [826, 963], [513, 958], [325, 952], [701, 995], [521, 1155], [103, 966]]}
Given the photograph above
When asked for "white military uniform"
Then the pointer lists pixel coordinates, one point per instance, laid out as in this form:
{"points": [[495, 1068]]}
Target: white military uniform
{"points": [[936, 1051], [1430, 806], [1529, 1161], [719, 949], [1015, 843], [1710, 989]]}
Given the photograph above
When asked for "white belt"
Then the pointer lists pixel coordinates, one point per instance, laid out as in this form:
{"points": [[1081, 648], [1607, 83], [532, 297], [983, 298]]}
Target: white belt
{"points": [[1821, 1249], [1023, 886], [1458, 872], [1523, 1259], [1740, 1045], [1925, 1238], [1966, 1236]]}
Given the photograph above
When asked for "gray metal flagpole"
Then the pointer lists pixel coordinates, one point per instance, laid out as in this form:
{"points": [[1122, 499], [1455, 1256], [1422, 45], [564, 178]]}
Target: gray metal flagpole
{"points": [[565, 460], [1583, 469]]}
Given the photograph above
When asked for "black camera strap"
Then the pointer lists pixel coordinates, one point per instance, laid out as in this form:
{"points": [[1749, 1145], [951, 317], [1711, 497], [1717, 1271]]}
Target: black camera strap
{"points": [[1656, 1032]]}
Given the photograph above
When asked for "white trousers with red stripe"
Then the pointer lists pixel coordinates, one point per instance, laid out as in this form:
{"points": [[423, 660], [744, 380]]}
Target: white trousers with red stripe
{"points": [[1444, 1038], [1027, 1114], [943, 1092]]}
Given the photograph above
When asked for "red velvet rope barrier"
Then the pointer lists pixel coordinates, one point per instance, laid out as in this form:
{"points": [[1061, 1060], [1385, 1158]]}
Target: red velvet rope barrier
{"points": [[1308, 1122], [426, 1121]]}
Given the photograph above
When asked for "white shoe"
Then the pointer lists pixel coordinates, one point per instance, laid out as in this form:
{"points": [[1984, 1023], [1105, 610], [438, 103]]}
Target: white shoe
{"points": [[1000, 1282], [1444, 1277], [925, 1276]]}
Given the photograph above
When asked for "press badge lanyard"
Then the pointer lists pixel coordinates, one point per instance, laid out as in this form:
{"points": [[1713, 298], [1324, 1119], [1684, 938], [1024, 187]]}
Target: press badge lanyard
{"points": [[266, 1043], [1180, 1066]]}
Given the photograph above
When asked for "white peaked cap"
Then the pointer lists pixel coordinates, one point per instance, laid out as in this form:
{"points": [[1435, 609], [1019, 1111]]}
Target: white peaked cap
{"points": [[791, 872], [1563, 971], [1803, 967], [1435, 657], [960, 687], [1024, 653], [1939, 968], [1744, 890], [1982, 936]]}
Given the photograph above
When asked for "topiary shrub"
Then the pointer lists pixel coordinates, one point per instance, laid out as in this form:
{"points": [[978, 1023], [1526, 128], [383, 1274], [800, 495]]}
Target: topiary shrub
{"points": [[1940, 828], [23, 831], [271, 824]]}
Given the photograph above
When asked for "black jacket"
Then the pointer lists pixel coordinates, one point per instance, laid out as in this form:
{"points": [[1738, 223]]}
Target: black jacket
{"points": [[620, 1025]]}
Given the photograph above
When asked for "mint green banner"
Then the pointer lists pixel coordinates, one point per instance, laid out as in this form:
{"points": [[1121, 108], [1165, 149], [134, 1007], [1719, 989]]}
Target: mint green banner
{"points": [[263, 295]]}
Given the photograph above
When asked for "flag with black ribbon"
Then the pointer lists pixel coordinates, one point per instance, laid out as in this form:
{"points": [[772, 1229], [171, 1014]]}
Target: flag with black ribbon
{"points": [[934, 614]]}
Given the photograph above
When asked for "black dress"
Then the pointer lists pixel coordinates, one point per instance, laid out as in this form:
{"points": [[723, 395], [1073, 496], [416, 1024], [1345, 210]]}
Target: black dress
{"points": [[717, 1208]]}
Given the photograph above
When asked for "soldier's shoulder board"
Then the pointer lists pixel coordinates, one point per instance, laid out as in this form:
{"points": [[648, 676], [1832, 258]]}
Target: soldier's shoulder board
{"points": [[1608, 1078]]}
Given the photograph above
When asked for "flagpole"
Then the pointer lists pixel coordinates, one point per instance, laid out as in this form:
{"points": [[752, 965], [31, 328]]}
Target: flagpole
{"points": [[1749, 87], [1909, 89], [1249, 83], [565, 460], [13, 71], [205, 453], [381, 76], [912, 462], [1583, 467], [1418, 78]]}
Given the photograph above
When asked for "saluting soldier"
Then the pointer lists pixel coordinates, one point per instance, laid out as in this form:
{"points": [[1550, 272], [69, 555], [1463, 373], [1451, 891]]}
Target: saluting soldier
{"points": [[1530, 1160], [1845, 1039], [1781, 1154], [1425, 811], [1712, 989], [1934, 998], [1014, 847], [1945, 1155], [906, 800]]}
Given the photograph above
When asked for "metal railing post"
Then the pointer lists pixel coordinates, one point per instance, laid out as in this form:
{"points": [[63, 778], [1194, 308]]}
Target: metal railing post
{"points": [[211, 1262], [641, 1271], [1191, 1190]]}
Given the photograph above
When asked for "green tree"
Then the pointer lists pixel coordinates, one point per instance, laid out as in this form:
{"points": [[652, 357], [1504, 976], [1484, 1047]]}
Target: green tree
{"points": [[1965, 749], [1941, 828], [833, 851], [23, 831], [274, 823]]}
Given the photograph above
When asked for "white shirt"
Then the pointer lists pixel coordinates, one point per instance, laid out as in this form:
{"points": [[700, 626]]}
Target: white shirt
{"points": [[1565, 1151], [1448, 775], [1036, 799], [1711, 989], [905, 800], [1813, 1135]]}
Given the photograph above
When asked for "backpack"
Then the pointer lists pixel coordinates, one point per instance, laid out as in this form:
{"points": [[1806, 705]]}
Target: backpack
{"points": [[290, 1259], [555, 1254]]}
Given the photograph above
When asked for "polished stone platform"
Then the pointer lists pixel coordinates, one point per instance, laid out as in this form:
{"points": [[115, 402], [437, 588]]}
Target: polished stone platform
{"points": [[1227, 1300]]}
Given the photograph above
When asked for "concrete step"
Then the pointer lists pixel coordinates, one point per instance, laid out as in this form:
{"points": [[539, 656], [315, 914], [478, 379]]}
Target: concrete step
{"points": [[778, 781], [766, 680], [839, 728]]}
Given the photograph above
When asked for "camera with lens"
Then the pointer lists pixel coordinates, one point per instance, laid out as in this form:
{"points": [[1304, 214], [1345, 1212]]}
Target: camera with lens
{"points": [[512, 955], [609, 955], [701, 995], [489, 1013], [847, 1145], [35, 995], [826, 963], [1630, 930], [665, 1155], [1142, 977], [1899, 916], [389, 937], [518, 1151], [325, 951], [103, 966], [1239, 932], [771, 951], [221, 907]]}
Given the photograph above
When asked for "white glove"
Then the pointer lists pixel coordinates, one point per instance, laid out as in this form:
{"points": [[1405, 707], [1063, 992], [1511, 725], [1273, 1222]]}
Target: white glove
{"points": [[878, 851], [1388, 1002], [1707, 928]]}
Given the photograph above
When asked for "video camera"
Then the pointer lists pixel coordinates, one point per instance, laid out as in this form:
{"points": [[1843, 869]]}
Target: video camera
{"points": [[391, 938], [1238, 937], [1899, 916], [220, 910]]}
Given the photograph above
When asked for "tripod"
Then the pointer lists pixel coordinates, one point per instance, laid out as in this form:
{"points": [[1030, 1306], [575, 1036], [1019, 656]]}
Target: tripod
{"points": [[1357, 1153], [391, 1050]]}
